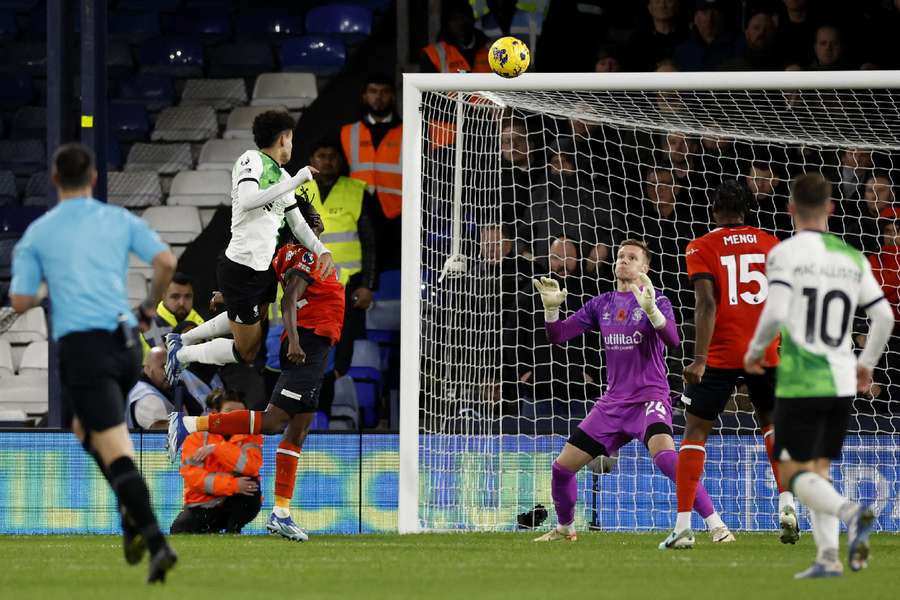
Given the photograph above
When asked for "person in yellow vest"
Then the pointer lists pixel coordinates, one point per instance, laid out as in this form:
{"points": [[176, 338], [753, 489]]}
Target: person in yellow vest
{"points": [[345, 207], [460, 46], [177, 305], [372, 146]]}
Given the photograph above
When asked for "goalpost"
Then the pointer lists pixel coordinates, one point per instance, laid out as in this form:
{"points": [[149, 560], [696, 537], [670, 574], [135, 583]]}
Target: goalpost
{"points": [[500, 174]]}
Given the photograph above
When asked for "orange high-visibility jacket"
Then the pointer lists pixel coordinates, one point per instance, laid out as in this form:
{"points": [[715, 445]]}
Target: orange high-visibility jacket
{"points": [[379, 167], [447, 59], [208, 483]]}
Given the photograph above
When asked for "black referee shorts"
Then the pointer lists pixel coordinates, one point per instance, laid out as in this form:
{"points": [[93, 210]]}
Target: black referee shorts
{"points": [[97, 371], [297, 390], [811, 428], [708, 398], [245, 289]]}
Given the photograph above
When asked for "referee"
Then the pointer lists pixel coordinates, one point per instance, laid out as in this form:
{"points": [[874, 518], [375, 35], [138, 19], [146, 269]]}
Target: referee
{"points": [[80, 249]]}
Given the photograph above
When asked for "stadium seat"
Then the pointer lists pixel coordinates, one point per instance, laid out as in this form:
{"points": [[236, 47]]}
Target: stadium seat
{"points": [[34, 361], [133, 27], [8, 192], [175, 224], [292, 90], [16, 219], [7, 243], [351, 21], [113, 154], [344, 407], [221, 94], [185, 124], [128, 121], [240, 121], [17, 90], [365, 370], [166, 159], [6, 361], [264, 25], [119, 61], [8, 28], [23, 157], [218, 5], [209, 26], [153, 91], [25, 394], [365, 355], [200, 188], [134, 189], [30, 57], [178, 57], [137, 288], [388, 286], [31, 326], [149, 5], [319, 423], [220, 155], [241, 60], [136, 265], [319, 54], [29, 122], [36, 189]]}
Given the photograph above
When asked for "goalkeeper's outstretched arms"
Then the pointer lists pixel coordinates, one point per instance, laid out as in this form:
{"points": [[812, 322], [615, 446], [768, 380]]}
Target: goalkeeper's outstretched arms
{"points": [[552, 297], [658, 309]]}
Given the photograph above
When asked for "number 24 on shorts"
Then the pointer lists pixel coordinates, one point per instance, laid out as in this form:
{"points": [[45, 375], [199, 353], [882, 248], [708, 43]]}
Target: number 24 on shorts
{"points": [[657, 407]]}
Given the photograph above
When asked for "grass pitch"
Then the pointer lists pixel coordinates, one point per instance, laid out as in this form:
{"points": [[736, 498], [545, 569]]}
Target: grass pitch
{"points": [[457, 566]]}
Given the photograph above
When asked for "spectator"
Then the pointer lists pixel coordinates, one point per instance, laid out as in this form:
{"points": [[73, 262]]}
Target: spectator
{"points": [[680, 156], [345, 208], [883, 41], [459, 47], [656, 40], [771, 213], [499, 18], [796, 32], [519, 171], [607, 61], [177, 305], [829, 50], [221, 476], [152, 398], [877, 203], [708, 44], [886, 265], [757, 50], [569, 36], [372, 145]]}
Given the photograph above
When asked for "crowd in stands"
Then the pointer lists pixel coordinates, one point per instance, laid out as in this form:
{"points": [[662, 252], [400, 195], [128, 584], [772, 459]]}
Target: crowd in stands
{"points": [[570, 190]]}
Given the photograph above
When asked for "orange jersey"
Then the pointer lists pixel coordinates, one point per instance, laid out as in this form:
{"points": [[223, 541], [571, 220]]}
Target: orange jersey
{"points": [[321, 308], [208, 482], [734, 259]]}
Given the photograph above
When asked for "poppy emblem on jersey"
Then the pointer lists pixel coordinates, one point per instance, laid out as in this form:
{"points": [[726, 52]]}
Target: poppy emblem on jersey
{"points": [[636, 314], [620, 316]]}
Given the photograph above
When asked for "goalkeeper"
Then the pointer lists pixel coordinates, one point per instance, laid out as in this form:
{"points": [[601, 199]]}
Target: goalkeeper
{"points": [[636, 324]]}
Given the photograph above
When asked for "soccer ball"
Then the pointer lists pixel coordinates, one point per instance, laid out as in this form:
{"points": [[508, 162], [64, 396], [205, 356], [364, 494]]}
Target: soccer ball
{"points": [[509, 57]]}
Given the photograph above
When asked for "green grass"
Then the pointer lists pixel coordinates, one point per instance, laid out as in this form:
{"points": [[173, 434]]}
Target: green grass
{"points": [[458, 566]]}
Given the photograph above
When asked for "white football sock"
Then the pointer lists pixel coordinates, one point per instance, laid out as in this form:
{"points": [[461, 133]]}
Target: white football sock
{"points": [[281, 513], [214, 328], [818, 494], [190, 423], [714, 521], [219, 351], [785, 499], [683, 521], [826, 530]]}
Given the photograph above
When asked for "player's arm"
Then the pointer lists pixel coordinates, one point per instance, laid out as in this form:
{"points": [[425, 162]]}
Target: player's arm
{"points": [[145, 243], [295, 284], [552, 297], [250, 197], [302, 231], [773, 316], [663, 323], [26, 290], [705, 323]]}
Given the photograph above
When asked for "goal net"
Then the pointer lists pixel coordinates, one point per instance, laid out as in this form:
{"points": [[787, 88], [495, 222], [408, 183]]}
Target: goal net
{"points": [[546, 177]]}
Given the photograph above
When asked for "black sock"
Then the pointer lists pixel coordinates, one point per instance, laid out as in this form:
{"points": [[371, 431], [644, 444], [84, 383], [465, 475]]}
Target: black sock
{"points": [[133, 494]]}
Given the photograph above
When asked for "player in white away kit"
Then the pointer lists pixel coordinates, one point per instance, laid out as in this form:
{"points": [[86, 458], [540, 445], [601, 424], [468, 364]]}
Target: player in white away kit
{"points": [[816, 283], [262, 198]]}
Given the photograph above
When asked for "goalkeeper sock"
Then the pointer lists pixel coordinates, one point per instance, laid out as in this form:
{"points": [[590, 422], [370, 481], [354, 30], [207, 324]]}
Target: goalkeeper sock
{"points": [[564, 489], [768, 433], [234, 423], [214, 328], [286, 457], [220, 351], [668, 462], [818, 494], [132, 492]]}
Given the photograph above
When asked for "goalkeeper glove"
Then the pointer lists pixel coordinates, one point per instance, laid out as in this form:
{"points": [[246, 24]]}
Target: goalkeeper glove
{"points": [[646, 298], [551, 296]]}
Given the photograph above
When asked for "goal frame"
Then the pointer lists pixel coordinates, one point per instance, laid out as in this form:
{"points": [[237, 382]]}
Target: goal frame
{"points": [[415, 84]]}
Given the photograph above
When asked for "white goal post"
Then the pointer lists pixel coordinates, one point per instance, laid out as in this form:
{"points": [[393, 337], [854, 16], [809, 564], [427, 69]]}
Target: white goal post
{"points": [[472, 453]]}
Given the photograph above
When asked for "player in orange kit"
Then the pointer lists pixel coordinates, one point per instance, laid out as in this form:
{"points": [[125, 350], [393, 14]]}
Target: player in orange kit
{"points": [[313, 311], [727, 267]]}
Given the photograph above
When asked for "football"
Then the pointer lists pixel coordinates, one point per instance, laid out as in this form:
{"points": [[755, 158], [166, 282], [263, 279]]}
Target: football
{"points": [[509, 57]]}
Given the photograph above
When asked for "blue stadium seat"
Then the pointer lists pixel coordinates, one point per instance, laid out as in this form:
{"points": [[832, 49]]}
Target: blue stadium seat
{"points": [[113, 154], [377, 6], [29, 122], [8, 27], [206, 25], [128, 122], [320, 421], [266, 26], [151, 90], [17, 5], [8, 192], [247, 59], [36, 190], [388, 286], [16, 219], [149, 5], [119, 61], [17, 90], [30, 57], [365, 369], [319, 54], [23, 157], [7, 243], [352, 22], [134, 27], [178, 57]]}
